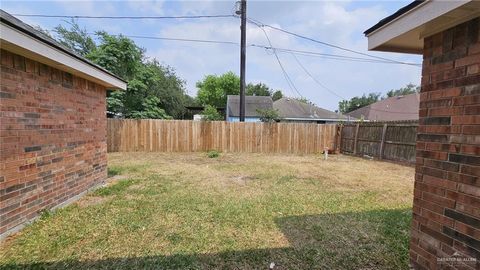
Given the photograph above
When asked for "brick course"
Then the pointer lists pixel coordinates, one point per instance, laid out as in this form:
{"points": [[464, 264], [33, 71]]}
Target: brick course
{"points": [[446, 211], [52, 138]]}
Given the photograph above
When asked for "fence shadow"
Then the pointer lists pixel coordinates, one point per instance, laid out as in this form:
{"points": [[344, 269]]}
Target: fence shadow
{"points": [[375, 239]]}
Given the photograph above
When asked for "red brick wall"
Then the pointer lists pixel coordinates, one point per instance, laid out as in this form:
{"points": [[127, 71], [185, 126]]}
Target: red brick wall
{"points": [[446, 210], [52, 138]]}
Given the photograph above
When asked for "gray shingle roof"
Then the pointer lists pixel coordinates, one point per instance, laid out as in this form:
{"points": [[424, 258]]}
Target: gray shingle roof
{"points": [[252, 103], [390, 109], [292, 108]]}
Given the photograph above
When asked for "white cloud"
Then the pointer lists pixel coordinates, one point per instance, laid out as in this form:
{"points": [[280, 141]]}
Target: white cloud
{"points": [[148, 7], [334, 22]]}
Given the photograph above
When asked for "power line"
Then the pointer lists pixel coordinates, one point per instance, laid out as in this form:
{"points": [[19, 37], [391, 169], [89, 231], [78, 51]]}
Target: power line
{"points": [[125, 17], [324, 55], [256, 22], [185, 39], [285, 74], [260, 24], [297, 52], [171, 39], [315, 80], [274, 50]]}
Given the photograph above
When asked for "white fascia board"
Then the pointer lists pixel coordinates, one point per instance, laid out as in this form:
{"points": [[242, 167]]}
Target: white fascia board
{"points": [[62, 59], [420, 15]]}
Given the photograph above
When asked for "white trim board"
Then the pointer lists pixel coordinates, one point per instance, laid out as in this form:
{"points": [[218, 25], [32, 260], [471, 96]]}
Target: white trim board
{"points": [[25, 45], [406, 33]]}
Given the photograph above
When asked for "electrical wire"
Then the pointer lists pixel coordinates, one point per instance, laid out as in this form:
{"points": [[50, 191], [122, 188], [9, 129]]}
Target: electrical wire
{"points": [[185, 39], [270, 47], [334, 93], [125, 17], [324, 55], [262, 25], [251, 20], [314, 79], [287, 78]]}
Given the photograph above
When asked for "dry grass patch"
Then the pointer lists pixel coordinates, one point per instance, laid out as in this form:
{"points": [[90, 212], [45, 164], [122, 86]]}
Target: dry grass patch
{"points": [[236, 211]]}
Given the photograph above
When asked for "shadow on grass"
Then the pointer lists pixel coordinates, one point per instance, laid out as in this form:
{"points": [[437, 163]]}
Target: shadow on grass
{"points": [[376, 239]]}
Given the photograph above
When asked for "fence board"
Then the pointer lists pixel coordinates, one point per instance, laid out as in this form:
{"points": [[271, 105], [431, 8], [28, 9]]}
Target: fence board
{"points": [[384, 140], [127, 135]]}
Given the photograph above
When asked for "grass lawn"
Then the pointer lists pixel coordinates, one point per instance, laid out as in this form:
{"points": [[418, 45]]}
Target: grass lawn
{"points": [[237, 211]]}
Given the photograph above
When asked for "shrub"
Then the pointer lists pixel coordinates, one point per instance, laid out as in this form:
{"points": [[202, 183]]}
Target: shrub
{"points": [[210, 113], [269, 115], [213, 154]]}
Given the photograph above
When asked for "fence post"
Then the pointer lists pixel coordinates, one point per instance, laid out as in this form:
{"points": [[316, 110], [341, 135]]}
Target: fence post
{"points": [[355, 140], [382, 143], [338, 139]]}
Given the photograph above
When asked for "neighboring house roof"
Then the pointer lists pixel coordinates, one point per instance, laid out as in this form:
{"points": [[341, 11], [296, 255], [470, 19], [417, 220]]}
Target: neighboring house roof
{"points": [[21, 38], [252, 104], [290, 108], [391, 109], [405, 30]]}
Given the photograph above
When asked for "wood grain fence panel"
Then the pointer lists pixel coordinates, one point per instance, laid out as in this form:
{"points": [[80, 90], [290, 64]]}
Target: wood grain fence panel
{"points": [[125, 135], [393, 141]]}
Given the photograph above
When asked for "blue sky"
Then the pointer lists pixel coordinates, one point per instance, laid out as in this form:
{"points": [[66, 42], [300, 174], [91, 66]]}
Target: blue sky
{"points": [[338, 22]]}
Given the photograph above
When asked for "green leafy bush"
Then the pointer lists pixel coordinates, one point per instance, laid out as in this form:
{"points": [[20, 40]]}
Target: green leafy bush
{"points": [[213, 154], [210, 113], [269, 115]]}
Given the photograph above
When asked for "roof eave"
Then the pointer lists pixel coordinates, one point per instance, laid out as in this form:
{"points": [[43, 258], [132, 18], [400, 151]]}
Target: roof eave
{"points": [[405, 32], [17, 41]]}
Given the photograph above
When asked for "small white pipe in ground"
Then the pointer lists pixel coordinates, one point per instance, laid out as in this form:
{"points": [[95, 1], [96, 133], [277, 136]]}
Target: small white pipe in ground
{"points": [[325, 152]]}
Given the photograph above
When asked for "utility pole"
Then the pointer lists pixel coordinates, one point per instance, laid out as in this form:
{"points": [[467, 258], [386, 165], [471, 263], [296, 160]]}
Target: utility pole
{"points": [[243, 42]]}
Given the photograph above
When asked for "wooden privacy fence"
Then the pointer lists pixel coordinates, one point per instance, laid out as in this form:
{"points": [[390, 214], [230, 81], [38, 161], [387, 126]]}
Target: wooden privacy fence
{"points": [[125, 135], [388, 140]]}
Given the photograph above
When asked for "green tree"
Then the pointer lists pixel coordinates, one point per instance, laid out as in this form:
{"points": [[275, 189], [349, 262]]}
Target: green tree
{"points": [[151, 110], [346, 106], [118, 54], [277, 95], [213, 89], [269, 115], [163, 83], [259, 89], [75, 38], [304, 100], [150, 84], [408, 89], [210, 113]]}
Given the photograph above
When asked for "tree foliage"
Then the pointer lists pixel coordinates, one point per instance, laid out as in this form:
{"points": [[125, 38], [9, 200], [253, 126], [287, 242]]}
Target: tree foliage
{"points": [[153, 91], [75, 38], [277, 95], [346, 106], [210, 113], [259, 89], [151, 110], [213, 89], [408, 89], [269, 115], [118, 54], [304, 100]]}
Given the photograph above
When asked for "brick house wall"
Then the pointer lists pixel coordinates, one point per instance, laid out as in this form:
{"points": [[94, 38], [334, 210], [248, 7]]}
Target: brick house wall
{"points": [[446, 210], [52, 138]]}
